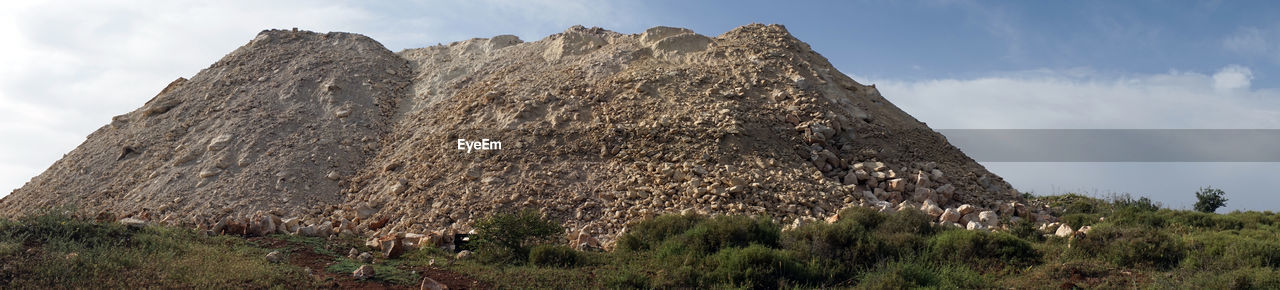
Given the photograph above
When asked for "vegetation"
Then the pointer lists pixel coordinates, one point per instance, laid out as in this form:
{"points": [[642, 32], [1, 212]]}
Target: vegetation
{"points": [[1133, 243], [1210, 199]]}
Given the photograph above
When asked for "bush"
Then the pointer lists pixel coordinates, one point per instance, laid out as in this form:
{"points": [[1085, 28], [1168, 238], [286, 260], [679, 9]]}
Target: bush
{"points": [[911, 221], [1228, 250], [847, 246], [1137, 217], [628, 280], [720, 232], [980, 248], [504, 237], [554, 256], [1207, 220], [1079, 220], [648, 234], [1142, 204], [1130, 246], [1025, 229], [1209, 199], [755, 266], [911, 275]]}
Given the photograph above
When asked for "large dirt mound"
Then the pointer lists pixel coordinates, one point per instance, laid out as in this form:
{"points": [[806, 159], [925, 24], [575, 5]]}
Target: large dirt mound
{"points": [[597, 129]]}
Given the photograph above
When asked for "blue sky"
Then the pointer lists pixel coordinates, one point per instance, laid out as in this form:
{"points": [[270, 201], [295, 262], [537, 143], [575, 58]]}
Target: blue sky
{"points": [[69, 66]]}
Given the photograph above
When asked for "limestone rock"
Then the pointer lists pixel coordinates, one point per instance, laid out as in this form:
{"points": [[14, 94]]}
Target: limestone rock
{"points": [[363, 273]]}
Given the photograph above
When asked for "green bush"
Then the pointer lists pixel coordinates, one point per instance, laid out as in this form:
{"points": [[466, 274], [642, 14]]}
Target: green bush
{"points": [[1228, 250], [720, 232], [980, 248], [911, 275], [554, 256], [755, 266], [1025, 229], [1079, 220], [848, 244], [1130, 246], [1142, 204], [1137, 217], [1244, 278], [866, 217], [1206, 220], [911, 221], [1209, 199], [505, 237], [628, 280], [648, 234]]}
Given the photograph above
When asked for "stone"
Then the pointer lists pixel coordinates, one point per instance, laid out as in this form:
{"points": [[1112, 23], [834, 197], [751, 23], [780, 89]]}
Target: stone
{"points": [[133, 223], [392, 248], [333, 175], [1085, 230], [989, 218], [897, 184], [308, 231], [353, 253], [971, 217], [362, 273], [364, 212], [431, 284], [365, 257], [931, 208], [210, 172], [275, 257], [950, 215], [975, 226], [965, 209], [218, 143], [921, 194], [463, 255], [585, 242], [1064, 231]]}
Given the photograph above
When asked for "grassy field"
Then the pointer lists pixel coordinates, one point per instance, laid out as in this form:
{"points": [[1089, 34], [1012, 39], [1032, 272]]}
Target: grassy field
{"points": [[1133, 244]]}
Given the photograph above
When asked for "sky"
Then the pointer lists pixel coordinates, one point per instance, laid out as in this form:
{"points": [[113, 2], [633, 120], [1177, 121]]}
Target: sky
{"points": [[67, 67]]}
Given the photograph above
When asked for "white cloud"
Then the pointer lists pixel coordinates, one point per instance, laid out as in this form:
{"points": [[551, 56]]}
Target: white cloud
{"points": [[1080, 99], [1232, 77], [69, 66], [1255, 42]]}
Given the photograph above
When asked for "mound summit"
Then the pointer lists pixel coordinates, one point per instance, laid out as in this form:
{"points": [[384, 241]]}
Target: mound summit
{"points": [[332, 133]]}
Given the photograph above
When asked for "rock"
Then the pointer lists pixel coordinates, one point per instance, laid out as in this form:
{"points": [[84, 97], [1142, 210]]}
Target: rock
{"points": [[365, 257], [342, 113], [353, 253], [275, 257], [950, 215], [931, 208], [1085, 230], [921, 194], [463, 255], [362, 273], [974, 226], [309, 231], [210, 172], [971, 217], [937, 174], [218, 143], [364, 212], [431, 284], [989, 218], [965, 209], [133, 223], [585, 242], [897, 184], [392, 248], [333, 175], [1064, 231]]}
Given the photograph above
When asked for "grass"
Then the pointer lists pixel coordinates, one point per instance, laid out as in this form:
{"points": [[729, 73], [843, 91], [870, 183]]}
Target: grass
{"points": [[1134, 243], [57, 251]]}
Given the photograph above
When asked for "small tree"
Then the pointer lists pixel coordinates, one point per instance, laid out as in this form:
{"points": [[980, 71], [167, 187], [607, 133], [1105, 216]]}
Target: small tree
{"points": [[507, 237], [1209, 199]]}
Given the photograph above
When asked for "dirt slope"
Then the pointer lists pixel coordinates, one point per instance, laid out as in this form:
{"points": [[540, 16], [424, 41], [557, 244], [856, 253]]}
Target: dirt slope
{"points": [[597, 129]]}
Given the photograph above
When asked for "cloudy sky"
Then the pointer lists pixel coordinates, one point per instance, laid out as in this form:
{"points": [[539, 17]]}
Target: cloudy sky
{"points": [[67, 67]]}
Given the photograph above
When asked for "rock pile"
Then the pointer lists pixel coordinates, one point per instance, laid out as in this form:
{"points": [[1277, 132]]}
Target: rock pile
{"points": [[331, 134]]}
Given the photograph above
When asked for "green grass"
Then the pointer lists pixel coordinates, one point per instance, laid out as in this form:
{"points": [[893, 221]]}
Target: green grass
{"points": [[1133, 244], [57, 251]]}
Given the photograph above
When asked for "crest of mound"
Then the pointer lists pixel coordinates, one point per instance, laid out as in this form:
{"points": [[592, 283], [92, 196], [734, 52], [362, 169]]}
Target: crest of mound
{"points": [[597, 129], [261, 129]]}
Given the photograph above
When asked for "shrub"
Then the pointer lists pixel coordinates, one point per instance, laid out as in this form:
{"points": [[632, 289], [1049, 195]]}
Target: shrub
{"points": [[1126, 201], [1209, 199], [1207, 220], [504, 237], [848, 244], [648, 234], [866, 217], [1246, 278], [911, 221], [910, 275], [1137, 217], [1130, 246], [554, 256], [1025, 229], [720, 232], [1079, 220], [1227, 250], [628, 280], [980, 248], [755, 266]]}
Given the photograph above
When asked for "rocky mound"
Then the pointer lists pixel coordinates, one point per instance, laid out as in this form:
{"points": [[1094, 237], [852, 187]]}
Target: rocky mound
{"points": [[594, 127]]}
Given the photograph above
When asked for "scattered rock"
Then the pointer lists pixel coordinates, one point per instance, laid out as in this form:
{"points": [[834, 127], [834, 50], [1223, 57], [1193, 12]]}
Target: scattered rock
{"points": [[463, 255], [1064, 231], [431, 284], [365, 257], [133, 223], [363, 273], [989, 219], [275, 257], [950, 215]]}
